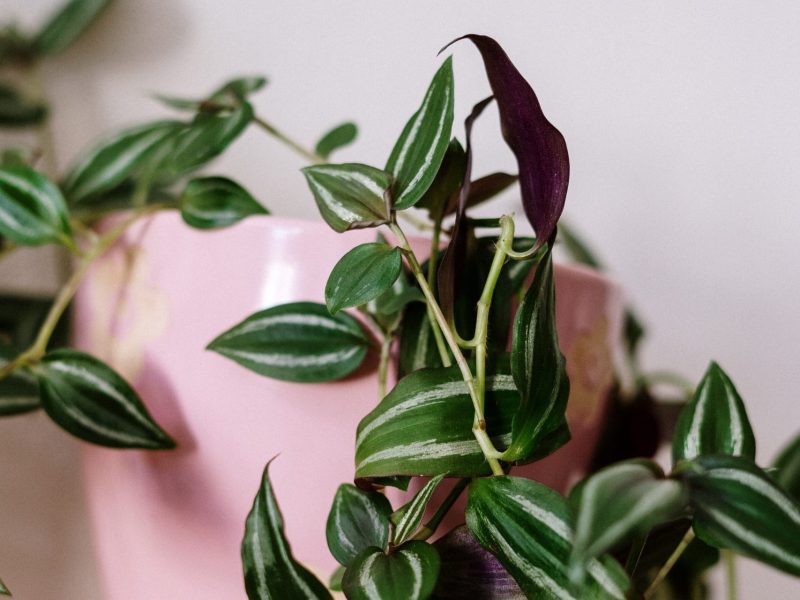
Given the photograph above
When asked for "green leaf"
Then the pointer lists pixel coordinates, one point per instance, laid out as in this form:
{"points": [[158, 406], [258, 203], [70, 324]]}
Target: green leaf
{"points": [[540, 371], [417, 343], [349, 196], [388, 308], [116, 160], [338, 137], [529, 528], [32, 209], [408, 517], [270, 570], [17, 157], [441, 198], [419, 150], [787, 468], [236, 90], [18, 111], [424, 426], [576, 247], [621, 501], [357, 520], [67, 25], [714, 421], [407, 573], [299, 342], [214, 202], [19, 392], [3, 589], [335, 581], [737, 506], [362, 275], [92, 402]]}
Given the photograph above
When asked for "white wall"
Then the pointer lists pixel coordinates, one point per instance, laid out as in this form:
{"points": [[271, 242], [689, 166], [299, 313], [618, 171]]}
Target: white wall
{"points": [[681, 118]]}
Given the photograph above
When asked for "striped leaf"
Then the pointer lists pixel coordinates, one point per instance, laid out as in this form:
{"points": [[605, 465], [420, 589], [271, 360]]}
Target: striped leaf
{"points": [[116, 160], [357, 520], [362, 275], [32, 209], [407, 573], [714, 421], [214, 202], [419, 150], [19, 392], [417, 345], [236, 90], [424, 426], [89, 400], [441, 197], [787, 468], [408, 517], [3, 589], [299, 342], [621, 501], [16, 110], [737, 506], [338, 137], [349, 196], [470, 571], [540, 371], [67, 25], [529, 528], [270, 570]]}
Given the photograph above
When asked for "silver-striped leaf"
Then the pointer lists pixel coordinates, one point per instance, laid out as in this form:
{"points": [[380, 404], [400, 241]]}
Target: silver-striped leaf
{"points": [[19, 392], [417, 343], [408, 517], [787, 468], [350, 196], [620, 501], [418, 152], [32, 209], [424, 426], [528, 527], [88, 399], [714, 421], [737, 506], [299, 341], [67, 25], [270, 570], [408, 572], [338, 137], [362, 274], [358, 519], [215, 202], [18, 110]]}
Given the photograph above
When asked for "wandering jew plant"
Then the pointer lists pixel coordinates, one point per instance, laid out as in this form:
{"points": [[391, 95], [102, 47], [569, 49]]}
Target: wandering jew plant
{"points": [[483, 387]]}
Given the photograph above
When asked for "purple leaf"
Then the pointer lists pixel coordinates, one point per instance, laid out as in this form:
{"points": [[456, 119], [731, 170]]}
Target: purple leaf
{"points": [[539, 147]]}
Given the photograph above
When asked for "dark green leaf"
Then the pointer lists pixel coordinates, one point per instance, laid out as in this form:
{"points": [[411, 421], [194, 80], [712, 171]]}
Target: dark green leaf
{"points": [[362, 275], [424, 426], [441, 198], [270, 570], [577, 248], [787, 468], [32, 209], [737, 506], [299, 341], [19, 392], [16, 157], [408, 517], [407, 573], [229, 95], [338, 137], [417, 344], [213, 202], [3, 589], [89, 400], [349, 196], [529, 528], [539, 371], [335, 582], [390, 304], [18, 111], [714, 421], [419, 150], [357, 520], [67, 25]]}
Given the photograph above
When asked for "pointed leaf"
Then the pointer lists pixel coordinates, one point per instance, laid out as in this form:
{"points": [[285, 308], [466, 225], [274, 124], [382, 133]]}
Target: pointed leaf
{"points": [[18, 111], [270, 570], [417, 344], [32, 209], [67, 25], [408, 517], [338, 137], [529, 528], [441, 198], [19, 392], [787, 468], [714, 421], [335, 581], [419, 150], [349, 196], [362, 275], [407, 573], [214, 202], [239, 88], [3, 589], [487, 187], [539, 147], [357, 520], [737, 506], [299, 342], [92, 402], [540, 371]]}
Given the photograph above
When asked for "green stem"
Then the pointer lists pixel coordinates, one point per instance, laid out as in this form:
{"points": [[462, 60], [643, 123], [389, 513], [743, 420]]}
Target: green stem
{"points": [[45, 130], [312, 157], [431, 526], [730, 574], [383, 365], [667, 567], [433, 262]]}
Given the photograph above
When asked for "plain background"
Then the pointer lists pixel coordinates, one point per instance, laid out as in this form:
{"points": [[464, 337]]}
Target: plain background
{"points": [[683, 128]]}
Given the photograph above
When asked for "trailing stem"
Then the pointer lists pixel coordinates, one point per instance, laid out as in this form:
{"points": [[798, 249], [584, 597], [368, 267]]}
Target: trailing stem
{"points": [[667, 567], [383, 365], [312, 157]]}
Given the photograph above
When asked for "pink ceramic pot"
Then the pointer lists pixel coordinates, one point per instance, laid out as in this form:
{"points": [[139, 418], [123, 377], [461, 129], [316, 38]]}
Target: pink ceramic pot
{"points": [[169, 524]]}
